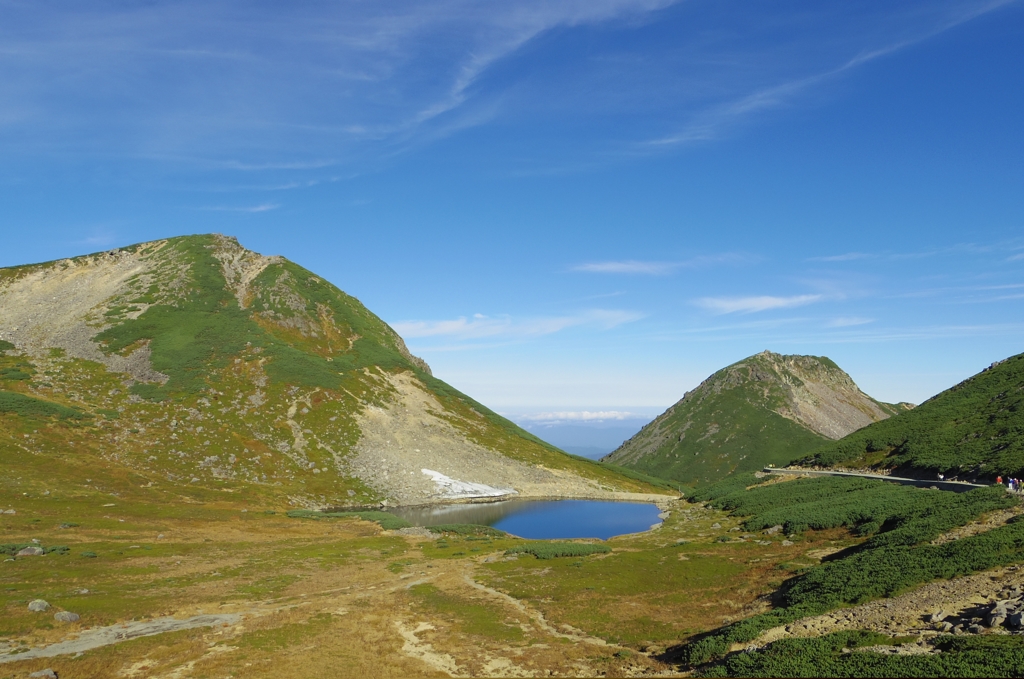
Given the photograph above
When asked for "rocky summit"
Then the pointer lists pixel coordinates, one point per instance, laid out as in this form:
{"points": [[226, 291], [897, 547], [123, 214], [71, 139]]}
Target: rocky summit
{"points": [[194, 366], [766, 409]]}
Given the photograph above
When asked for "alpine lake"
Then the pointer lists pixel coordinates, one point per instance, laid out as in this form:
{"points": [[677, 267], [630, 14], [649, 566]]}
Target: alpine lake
{"points": [[541, 519]]}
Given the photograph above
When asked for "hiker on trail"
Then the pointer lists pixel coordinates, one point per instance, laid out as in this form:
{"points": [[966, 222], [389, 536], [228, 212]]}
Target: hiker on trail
{"points": [[941, 477], [999, 480]]}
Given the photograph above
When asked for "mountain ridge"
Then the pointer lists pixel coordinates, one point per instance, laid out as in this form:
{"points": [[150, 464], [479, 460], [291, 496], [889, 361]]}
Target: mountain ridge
{"points": [[974, 430], [765, 409], [199, 363]]}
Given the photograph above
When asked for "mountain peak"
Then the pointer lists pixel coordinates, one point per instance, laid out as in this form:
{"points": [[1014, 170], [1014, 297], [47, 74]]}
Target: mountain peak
{"points": [[198, 362], [766, 408]]}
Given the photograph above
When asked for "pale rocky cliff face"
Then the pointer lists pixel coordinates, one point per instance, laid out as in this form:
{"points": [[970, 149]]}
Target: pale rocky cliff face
{"points": [[820, 396]]}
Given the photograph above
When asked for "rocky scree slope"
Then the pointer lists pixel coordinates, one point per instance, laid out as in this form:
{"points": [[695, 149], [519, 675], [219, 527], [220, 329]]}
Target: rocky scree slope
{"points": [[766, 409], [198, 367]]}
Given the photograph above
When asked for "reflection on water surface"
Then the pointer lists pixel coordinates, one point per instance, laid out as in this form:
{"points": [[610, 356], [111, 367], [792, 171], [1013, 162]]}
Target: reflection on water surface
{"points": [[542, 519]]}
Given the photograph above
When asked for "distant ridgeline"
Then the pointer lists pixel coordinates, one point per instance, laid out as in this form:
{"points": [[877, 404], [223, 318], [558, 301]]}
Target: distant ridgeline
{"points": [[974, 430], [766, 409]]}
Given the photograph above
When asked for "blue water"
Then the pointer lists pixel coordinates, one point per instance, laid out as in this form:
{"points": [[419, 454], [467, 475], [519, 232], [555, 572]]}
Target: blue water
{"points": [[542, 519]]}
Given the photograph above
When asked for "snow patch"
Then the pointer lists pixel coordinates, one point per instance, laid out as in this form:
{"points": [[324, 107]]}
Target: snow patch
{"points": [[449, 487]]}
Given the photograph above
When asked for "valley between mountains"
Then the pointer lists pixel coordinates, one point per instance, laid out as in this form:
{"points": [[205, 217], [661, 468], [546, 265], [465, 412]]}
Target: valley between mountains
{"points": [[196, 442]]}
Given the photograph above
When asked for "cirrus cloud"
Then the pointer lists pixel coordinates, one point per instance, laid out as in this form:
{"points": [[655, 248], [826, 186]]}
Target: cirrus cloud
{"points": [[480, 326], [747, 305]]}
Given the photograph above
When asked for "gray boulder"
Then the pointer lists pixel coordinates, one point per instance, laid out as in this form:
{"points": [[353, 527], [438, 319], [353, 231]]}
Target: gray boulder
{"points": [[1015, 620], [716, 525], [38, 606], [67, 616], [774, 529], [993, 620], [31, 551], [45, 674], [937, 616]]}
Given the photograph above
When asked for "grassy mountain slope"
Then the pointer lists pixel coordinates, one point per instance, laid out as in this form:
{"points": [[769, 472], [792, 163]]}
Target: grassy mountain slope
{"points": [[203, 367], [903, 550], [974, 430], [766, 409]]}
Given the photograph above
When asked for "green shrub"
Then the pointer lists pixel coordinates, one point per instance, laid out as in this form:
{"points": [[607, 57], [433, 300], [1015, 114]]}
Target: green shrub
{"points": [[734, 483], [834, 655], [387, 521], [898, 556], [466, 529], [27, 406], [5, 346], [904, 514], [550, 550], [11, 549]]}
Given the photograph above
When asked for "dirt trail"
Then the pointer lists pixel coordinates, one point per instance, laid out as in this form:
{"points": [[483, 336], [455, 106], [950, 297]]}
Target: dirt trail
{"points": [[104, 636], [537, 617]]}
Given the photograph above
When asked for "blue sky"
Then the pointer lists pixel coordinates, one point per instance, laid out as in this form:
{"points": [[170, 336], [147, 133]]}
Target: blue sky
{"points": [[575, 211]]}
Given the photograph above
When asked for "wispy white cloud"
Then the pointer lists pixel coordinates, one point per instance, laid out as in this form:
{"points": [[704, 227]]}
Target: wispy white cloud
{"points": [[263, 207], [713, 121], [284, 165], [481, 327], [746, 305], [848, 257], [848, 321], [654, 268], [629, 266]]}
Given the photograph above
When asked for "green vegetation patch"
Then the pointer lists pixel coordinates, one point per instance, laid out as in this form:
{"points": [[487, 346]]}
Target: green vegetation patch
{"points": [[835, 655], [283, 636], [909, 515], [27, 406], [466, 529], [386, 521], [6, 346], [14, 374], [471, 616], [201, 333], [904, 521], [975, 429], [268, 586], [551, 550]]}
